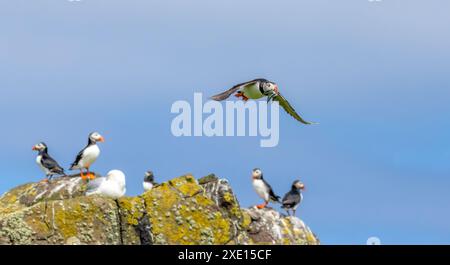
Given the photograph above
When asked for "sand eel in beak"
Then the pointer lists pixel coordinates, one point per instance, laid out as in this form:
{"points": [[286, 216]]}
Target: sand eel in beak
{"points": [[263, 189], [149, 181], [88, 155], [293, 198], [47, 163], [113, 185], [257, 89]]}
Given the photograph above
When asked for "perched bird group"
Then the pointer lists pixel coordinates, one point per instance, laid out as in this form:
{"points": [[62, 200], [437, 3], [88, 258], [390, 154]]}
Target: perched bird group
{"points": [[289, 202], [114, 185], [84, 159]]}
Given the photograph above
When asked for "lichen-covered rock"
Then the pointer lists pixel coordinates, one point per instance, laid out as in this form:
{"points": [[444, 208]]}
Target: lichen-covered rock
{"points": [[82, 220], [180, 211], [268, 226], [29, 194]]}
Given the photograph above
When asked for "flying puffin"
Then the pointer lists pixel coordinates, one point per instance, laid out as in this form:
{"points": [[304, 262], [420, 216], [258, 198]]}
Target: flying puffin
{"points": [[46, 162], [88, 155], [263, 189], [113, 185], [149, 181], [258, 88], [293, 198]]}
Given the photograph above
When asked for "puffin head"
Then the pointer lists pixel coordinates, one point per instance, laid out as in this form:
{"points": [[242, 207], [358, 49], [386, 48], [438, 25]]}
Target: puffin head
{"points": [[149, 177], [270, 90], [40, 147], [298, 185], [257, 174], [96, 137]]}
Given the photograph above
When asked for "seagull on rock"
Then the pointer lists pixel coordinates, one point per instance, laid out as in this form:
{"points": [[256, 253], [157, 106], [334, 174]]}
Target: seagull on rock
{"points": [[113, 185], [88, 156], [258, 88], [46, 162]]}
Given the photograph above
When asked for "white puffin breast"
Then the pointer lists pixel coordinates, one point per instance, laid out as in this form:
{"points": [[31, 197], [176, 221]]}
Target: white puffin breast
{"points": [[147, 186], [261, 189], [39, 162], [90, 154]]}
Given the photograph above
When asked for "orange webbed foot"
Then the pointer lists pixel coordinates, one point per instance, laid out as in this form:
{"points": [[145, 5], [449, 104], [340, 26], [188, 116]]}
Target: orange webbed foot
{"points": [[91, 176], [261, 206]]}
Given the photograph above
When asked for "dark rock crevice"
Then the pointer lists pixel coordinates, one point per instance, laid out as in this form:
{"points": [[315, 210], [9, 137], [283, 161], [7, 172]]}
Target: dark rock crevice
{"points": [[144, 228]]}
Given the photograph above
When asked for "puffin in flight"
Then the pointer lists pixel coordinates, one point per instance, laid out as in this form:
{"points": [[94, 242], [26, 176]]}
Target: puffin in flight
{"points": [[293, 198], [263, 189], [149, 181], [113, 185], [46, 162], [88, 155], [258, 88]]}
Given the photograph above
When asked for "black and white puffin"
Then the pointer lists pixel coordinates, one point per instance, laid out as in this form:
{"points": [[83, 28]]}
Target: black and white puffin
{"points": [[258, 88], [149, 181], [46, 162], [88, 156], [263, 189], [293, 198]]}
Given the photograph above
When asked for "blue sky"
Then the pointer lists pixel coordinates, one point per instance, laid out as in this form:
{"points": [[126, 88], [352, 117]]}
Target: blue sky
{"points": [[375, 75]]}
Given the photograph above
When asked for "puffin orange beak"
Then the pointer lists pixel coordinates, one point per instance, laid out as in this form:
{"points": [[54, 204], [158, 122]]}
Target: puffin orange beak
{"points": [[34, 148], [101, 139], [276, 90]]}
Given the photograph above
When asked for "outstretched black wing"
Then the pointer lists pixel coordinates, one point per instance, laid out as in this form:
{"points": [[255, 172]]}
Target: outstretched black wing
{"points": [[289, 109], [229, 92]]}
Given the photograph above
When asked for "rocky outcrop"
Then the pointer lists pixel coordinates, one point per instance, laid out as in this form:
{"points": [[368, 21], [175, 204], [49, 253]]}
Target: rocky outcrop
{"points": [[180, 211]]}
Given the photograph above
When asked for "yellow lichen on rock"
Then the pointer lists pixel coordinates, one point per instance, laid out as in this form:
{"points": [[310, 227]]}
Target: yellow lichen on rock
{"points": [[131, 209], [90, 219], [187, 185], [176, 219]]}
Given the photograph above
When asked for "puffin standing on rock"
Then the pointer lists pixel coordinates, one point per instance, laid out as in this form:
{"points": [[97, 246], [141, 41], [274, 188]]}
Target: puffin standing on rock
{"points": [[149, 181], [47, 163], [263, 189], [258, 88], [293, 198], [88, 156]]}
